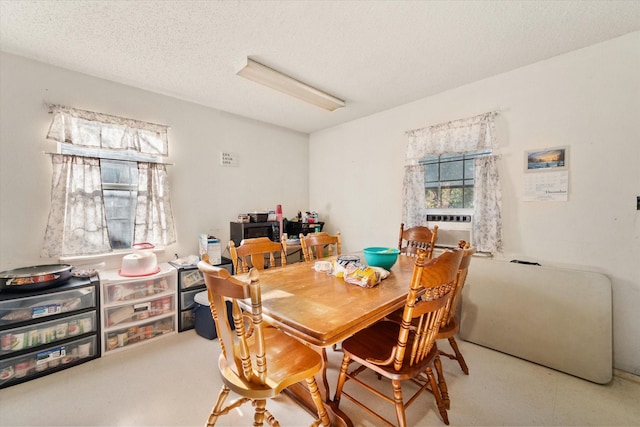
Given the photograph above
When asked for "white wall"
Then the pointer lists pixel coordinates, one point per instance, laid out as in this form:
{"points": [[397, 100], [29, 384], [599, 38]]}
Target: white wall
{"points": [[588, 99], [205, 196]]}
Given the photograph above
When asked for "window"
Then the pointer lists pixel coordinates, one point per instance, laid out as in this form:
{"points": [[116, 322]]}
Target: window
{"points": [[453, 165], [449, 180], [109, 185], [120, 191], [119, 178]]}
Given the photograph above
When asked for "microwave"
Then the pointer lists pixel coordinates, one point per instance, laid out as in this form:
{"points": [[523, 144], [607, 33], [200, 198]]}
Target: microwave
{"points": [[239, 231]]}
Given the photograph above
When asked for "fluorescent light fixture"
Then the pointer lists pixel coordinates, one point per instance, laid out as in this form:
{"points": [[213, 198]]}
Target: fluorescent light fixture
{"points": [[281, 82]]}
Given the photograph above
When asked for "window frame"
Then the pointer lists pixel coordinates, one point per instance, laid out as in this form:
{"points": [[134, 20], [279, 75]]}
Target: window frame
{"points": [[447, 158]]}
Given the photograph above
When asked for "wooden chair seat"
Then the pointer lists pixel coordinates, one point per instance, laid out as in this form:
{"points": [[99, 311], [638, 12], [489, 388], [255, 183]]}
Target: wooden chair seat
{"points": [[378, 339], [282, 372], [448, 330]]}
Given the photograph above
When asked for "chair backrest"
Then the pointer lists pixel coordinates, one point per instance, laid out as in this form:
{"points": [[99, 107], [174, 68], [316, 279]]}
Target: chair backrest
{"points": [[252, 253], [320, 245], [415, 238], [235, 345], [461, 278], [423, 312]]}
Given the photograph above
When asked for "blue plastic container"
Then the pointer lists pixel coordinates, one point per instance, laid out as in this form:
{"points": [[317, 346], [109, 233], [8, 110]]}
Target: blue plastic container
{"points": [[204, 324]]}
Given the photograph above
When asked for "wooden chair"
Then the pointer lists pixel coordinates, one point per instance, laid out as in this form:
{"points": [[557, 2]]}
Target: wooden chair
{"points": [[415, 238], [252, 253], [450, 323], [315, 245], [399, 351], [313, 248], [257, 361]]}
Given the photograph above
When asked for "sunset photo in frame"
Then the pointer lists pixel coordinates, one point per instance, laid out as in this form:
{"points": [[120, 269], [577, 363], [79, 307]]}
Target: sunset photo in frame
{"points": [[548, 159]]}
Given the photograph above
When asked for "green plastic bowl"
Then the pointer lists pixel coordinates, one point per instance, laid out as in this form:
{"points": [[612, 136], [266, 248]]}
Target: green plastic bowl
{"points": [[383, 257]]}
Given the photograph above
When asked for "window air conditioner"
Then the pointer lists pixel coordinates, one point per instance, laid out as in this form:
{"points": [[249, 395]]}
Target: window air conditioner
{"points": [[452, 227]]}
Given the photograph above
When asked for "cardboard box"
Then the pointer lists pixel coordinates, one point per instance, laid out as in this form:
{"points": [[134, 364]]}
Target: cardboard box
{"points": [[211, 246]]}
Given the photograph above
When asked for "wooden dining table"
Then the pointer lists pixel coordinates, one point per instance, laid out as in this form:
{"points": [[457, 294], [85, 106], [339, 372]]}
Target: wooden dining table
{"points": [[322, 310]]}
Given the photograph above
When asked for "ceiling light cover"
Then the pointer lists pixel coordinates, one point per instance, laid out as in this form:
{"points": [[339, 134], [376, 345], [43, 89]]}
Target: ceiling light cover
{"points": [[274, 79]]}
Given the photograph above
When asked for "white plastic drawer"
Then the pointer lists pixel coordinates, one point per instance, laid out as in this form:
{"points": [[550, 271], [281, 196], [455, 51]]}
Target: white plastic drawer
{"points": [[49, 304], [119, 338], [187, 298], [191, 278], [118, 289], [138, 311], [50, 359], [187, 319], [16, 339]]}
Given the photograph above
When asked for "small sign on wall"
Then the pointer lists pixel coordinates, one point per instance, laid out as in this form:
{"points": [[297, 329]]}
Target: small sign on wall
{"points": [[228, 158]]}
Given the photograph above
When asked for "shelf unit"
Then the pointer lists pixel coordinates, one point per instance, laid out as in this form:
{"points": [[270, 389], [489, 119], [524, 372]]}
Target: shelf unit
{"points": [[190, 282], [137, 310], [46, 331]]}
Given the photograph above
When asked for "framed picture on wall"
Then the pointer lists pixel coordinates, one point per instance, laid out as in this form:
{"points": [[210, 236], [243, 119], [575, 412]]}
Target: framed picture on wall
{"points": [[548, 159]]}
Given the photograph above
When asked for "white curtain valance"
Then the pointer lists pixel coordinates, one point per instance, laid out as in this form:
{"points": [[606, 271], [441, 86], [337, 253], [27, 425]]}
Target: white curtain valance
{"points": [[103, 131], [459, 136]]}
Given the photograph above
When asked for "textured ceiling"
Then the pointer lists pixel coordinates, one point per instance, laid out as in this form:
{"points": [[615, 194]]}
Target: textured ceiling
{"points": [[373, 54]]}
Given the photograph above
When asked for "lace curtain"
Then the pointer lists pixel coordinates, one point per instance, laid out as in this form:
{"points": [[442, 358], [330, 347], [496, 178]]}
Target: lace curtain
{"points": [[460, 136], [77, 223], [487, 202], [413, 195], [154, 217], [97, 130]]}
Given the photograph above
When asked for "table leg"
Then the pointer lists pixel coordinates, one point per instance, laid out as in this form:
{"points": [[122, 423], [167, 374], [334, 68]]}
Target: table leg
{"points": [[300, 393]]}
